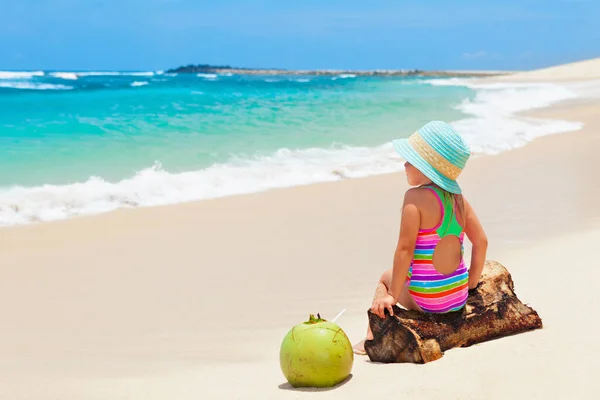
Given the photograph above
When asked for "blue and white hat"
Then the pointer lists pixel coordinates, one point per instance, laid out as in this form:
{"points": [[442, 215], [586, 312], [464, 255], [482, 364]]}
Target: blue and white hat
{"points": [[438, 151]]}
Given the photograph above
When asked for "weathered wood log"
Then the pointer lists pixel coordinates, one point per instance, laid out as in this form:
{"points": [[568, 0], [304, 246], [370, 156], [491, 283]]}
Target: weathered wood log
{"points": [[492, 311]]}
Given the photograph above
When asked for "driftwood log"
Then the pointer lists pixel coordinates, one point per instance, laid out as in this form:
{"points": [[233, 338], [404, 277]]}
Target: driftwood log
{"points": [[492, 311]]}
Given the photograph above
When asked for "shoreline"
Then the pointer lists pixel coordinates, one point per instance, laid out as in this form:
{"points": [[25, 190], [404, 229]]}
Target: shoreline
{"points": [[534, 149], [336, 174], [547, 113]]}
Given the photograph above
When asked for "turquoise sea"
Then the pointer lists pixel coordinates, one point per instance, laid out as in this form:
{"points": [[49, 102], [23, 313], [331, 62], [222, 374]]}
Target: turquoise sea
{"points": [[74, 143]]}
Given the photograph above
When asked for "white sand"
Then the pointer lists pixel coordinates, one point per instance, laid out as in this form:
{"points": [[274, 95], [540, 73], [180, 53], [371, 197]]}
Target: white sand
{"points": [[577, 71], [192, 301]]}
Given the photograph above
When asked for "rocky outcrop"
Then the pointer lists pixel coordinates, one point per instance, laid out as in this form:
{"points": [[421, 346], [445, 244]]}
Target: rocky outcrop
{"points": [[225, 69]]}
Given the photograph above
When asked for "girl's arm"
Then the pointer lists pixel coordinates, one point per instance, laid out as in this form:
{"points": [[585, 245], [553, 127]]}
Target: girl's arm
{"points": [[477, 237], [409, 230]]}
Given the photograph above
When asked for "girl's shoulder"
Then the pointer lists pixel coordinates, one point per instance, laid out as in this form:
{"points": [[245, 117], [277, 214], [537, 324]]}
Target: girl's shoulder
{"points": [[421, 196], [421, 192]]}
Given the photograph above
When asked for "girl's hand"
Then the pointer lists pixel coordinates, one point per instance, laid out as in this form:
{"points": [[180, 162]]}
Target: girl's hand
{"points": [[380, 304]]}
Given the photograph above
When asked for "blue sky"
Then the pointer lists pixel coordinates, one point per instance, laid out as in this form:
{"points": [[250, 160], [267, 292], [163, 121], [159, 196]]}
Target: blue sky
{"points": [[434, 34]]}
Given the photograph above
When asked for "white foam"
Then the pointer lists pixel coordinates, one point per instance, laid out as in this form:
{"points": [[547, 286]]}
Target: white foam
{"points": [[138, 83], [115, 73], [148, 73], [208, 76], [343, 76], [33, 86], [99, 73], [495, 124], [446, 82], [303, 80], [155, 186], [19, 74], [65, 75]]}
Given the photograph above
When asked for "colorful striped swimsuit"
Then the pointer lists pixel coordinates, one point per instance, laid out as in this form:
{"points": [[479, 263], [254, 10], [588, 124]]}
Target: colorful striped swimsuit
{"points": [[433, 291]]}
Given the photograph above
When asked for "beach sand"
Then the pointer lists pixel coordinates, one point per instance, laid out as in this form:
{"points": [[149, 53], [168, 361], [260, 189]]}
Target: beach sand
{"points": [[577, 71], [192, 301]]}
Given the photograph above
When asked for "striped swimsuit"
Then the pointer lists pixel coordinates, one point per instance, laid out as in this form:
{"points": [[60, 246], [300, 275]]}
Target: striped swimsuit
{"points": [[433, 291]]}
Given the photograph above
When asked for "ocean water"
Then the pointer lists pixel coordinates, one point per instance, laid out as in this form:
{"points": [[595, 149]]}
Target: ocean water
{"points": [[76, 143]]}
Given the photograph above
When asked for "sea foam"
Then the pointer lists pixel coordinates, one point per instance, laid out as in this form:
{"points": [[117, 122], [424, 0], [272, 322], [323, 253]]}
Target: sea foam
{"points": [[116, 73], [33, 86], [208, 76], [495, 121], [65, 75], [154, 186], [20, 74]]}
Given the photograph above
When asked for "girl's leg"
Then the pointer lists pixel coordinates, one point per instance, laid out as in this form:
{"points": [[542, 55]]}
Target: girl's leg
{"points": [[406, 301]]}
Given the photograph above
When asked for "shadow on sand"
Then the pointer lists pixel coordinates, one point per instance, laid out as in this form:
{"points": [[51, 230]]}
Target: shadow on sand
{"points": [[287, 386]]}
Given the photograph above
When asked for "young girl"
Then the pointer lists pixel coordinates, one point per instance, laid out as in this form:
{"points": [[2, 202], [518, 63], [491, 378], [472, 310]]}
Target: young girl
{"points": [[429, 273]]}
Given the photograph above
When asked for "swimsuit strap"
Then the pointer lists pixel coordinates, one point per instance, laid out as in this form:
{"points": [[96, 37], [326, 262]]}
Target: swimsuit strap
{"points": [[449, 225]]}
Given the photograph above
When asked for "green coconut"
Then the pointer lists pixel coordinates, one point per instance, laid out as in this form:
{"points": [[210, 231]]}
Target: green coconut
{"points": [[316, 353]]}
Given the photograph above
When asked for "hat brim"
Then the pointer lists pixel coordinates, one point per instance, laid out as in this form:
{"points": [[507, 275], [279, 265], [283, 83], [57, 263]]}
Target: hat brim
{"points": [[409, 154]]}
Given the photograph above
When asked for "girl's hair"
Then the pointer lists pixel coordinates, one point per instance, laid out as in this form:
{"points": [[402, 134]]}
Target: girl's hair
{"points": [[456, 199]]}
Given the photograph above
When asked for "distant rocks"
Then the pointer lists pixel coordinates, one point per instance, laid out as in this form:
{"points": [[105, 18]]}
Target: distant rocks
{"points": [[199, 69], [226, 69]]}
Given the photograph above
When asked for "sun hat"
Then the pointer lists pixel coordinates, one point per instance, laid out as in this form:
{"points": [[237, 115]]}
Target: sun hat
{"points": [[438, 151]]}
